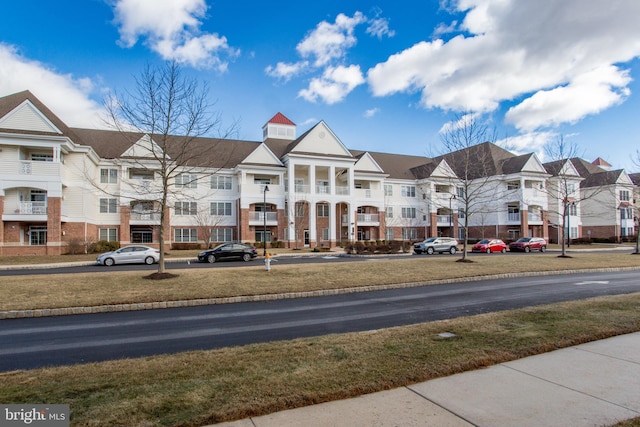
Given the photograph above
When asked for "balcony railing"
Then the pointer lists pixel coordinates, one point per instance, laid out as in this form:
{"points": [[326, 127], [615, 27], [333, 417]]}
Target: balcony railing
{"points": [[368, 218], [535, 217], [259, 218], [145, 216], [32, 208], [323, 189], [342, 191], [514, 216], [444, 219]]}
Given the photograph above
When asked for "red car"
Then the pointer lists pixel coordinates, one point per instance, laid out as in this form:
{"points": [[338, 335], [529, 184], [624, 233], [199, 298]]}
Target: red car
{"points": [[528, 244], [489, 245]]}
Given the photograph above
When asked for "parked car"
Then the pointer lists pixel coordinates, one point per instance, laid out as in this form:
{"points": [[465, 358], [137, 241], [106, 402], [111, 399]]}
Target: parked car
{"points": [[133, 254], [528, 244], [436, 244], [227, 251], [489, 245]]}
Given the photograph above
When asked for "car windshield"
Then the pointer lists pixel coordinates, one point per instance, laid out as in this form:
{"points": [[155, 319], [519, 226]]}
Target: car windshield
{"points": [[483, 241], [524, 239], [430, 240]]}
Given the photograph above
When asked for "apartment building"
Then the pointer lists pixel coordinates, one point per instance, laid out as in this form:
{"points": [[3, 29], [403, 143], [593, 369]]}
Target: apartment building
{"points": [[62, 186]]}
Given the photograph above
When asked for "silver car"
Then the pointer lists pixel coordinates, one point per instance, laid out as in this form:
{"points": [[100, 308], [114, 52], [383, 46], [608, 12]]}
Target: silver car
{"points": [[134, 254], [436, 244]]}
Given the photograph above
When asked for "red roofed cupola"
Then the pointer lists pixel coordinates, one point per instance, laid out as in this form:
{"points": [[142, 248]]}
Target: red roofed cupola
{"points": [[602, 163], [279, 127]]}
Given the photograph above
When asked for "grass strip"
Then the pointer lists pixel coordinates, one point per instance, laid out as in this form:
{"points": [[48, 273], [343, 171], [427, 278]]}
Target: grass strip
{"points": [[111, 287], [203, 387]]}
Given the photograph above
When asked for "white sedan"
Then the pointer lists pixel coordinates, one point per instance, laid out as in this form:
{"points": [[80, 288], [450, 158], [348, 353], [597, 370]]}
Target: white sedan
{"points": [[134, 254]]}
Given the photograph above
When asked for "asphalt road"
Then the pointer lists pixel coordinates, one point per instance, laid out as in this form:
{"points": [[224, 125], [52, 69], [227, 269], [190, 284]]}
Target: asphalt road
{"points": [[40, 342]]}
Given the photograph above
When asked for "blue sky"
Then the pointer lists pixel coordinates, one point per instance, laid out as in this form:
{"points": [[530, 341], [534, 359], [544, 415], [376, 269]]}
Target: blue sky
{"points": [[384, 76]]}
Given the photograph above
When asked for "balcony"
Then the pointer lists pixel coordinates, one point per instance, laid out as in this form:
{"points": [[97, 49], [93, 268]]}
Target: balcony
{"points": [[258, 218], [534, 217], [24, 168], [368, 219], [32, 208], [513, 217], [25, 211], [144, 217], [444, 219]]}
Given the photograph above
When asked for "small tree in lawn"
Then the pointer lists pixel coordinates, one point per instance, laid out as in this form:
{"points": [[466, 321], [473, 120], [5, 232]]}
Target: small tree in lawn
{"points": [[173, 112], [467, 142]]}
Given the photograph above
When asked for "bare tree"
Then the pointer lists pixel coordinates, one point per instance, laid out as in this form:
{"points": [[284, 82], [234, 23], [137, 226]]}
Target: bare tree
{"points": [[565, 187], [173, 113], [467, 142]]}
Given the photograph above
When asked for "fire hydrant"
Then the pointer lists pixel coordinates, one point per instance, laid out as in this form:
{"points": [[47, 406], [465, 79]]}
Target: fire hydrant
{"points": [[267, 262]]}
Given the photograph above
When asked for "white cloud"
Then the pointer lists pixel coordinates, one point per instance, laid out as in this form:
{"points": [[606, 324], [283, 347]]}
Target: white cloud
{"points": [[330, 41], [462, 122], [334, 85], [532, 142], [172, 29], [324, 50], [560, 55], [371, 112], [67, 96], [589, 93], [286, 71]]}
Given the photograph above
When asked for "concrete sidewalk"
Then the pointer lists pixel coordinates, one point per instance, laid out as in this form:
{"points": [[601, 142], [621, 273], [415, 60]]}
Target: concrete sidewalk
{"points": [[593, 384]]}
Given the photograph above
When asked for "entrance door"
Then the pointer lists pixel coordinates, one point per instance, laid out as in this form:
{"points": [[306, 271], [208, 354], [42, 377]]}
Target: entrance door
{"points": [[306, 237]]}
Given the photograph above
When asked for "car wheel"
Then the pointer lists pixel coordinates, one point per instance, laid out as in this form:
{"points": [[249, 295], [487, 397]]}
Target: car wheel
{"points": [[527, 249], [109, 262], [211, 258], [453, 250], [246, 257], [504, 250], [149, 260], [543, 248], [430, 251], [488, 250]]}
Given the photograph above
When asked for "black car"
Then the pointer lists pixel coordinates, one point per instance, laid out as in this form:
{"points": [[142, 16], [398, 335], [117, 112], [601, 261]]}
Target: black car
{"points": [[228, 251]]}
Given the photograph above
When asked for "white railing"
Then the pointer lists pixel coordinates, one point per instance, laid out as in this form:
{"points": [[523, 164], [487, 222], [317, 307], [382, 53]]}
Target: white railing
{"points": [[260, 216], [342, 191], [535, 216], [32, 208], [145, 216], [323, 189], [304, 189], [445, 219], [370, 218], [514, 216]]}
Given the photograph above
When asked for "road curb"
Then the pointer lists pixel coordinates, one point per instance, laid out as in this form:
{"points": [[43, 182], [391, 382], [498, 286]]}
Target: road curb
{"points": [[111, 308]]}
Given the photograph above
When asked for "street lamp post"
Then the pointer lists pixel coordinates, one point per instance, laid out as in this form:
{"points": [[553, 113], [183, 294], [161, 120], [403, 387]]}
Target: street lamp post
{"points": [[264, 213]]}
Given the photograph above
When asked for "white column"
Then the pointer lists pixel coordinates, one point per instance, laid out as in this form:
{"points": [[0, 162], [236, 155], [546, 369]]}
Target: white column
{"points": [[313, 233], [351, 182], [333, 237], [332, 181], [312, 179], [351, 218]]}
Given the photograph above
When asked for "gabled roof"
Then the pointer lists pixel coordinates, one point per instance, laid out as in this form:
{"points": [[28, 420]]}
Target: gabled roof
{"points": [[635, 178], [396, 166], [11, 102], [602, 178], [601, 162], [483, 160], [281, 119]]}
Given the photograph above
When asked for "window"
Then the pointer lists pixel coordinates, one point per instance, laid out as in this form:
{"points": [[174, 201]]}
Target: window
{"points": [[572, 209], [38, 235], [460, 193], [300, 209], [109, 176], [323, 210], [187, 180], [388, 190], [221, 234], [141, 174], [108, 234], [624, 196], [325, 234], [571, 188], [409, 234], [626, 213], [108, 206], [41, 157], [513, 185], [221, 208], [186, 208], [388, 234], [186, 235], [408, 191], [389, 212], [408, 212], [221, 182], [461, 213], [141, 236]]}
